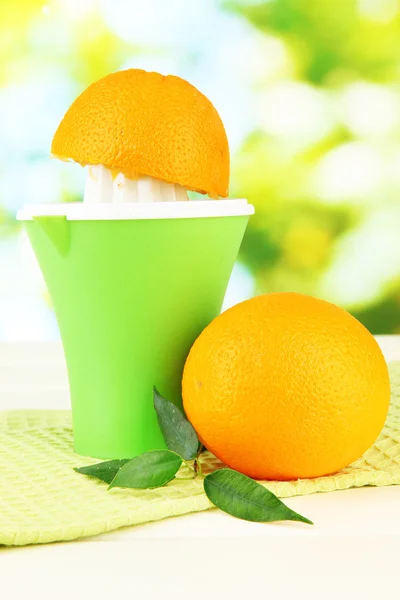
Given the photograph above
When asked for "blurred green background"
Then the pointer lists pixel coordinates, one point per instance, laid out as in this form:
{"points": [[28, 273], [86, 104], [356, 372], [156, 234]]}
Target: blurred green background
{"points": [[309, 94]]}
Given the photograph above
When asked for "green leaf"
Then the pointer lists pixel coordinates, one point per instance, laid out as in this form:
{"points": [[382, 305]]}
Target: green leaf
{"points": [[178, 432], [242, 497], [106, 471], [149, 470]]}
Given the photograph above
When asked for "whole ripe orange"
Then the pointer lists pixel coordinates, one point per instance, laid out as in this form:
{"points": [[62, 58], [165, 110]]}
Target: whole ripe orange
{"points": [[285, 386], [142, 123]]}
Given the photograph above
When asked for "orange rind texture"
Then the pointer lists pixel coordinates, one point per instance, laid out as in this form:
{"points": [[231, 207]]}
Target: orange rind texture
{"points": [[286, 386], [143, 123]]}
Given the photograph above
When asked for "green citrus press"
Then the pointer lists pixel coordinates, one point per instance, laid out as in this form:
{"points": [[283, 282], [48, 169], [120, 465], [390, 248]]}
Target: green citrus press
{"points": [[132, 286]]}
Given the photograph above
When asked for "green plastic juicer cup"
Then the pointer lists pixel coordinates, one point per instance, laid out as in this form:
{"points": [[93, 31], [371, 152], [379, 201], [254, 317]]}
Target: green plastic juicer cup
{"points": [[132, 286]]}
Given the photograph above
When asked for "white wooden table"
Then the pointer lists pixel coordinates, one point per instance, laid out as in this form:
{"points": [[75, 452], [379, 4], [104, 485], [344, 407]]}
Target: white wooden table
{"points": [[353, 551]]}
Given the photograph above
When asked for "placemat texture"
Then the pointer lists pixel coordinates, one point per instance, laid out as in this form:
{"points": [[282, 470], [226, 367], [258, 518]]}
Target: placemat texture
{"points": [[43, 500]]}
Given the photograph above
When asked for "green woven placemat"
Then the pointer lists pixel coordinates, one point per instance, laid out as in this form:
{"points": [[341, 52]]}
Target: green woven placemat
{"points": [[43, 500]]}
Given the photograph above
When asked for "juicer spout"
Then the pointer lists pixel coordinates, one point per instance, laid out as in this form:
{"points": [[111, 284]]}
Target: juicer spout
{"points": [[57, 229]]}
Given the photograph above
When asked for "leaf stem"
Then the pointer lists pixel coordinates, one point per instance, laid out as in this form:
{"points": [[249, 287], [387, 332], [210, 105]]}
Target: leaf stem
{"points": [[191, 478], [185, 462], [197, 467]]}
